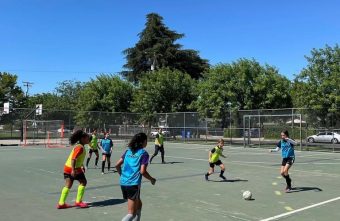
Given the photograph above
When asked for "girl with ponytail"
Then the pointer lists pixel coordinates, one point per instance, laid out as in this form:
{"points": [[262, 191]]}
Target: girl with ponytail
{"points": [[131, 167]]}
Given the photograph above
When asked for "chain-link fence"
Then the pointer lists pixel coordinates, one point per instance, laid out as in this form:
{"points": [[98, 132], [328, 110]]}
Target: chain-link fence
{"points": [[314, 129]]}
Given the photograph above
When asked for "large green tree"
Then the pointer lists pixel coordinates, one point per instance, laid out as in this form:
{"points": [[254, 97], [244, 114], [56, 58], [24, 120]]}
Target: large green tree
{"points": [[157, 47], [69, 91], [10, 91], [317, 87], [243, 84], [64, 97], [163, 91], [106, 93]]}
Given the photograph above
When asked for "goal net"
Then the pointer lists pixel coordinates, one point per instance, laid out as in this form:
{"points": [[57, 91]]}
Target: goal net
{"points": [[264, 130], [50, 133]]}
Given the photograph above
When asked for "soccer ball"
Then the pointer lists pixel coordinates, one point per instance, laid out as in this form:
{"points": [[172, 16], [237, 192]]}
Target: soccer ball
{"points": [[247, 195]]}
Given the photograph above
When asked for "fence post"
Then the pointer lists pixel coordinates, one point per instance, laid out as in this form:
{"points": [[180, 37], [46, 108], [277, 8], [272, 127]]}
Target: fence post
{"points": [[206, 131], [300, 132], [260, 134], [244, 131], [185, 134]]}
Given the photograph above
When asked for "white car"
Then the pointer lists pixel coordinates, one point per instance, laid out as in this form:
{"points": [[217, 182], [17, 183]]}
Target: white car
{"points": [[164, 132], [324, 137], [64, 130]]}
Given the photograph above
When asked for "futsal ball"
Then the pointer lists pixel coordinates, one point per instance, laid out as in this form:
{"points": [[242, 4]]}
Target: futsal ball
{"points": [[247, 195]]}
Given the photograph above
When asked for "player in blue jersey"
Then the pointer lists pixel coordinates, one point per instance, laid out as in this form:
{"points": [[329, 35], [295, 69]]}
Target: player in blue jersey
{"points": [[106, 145], [131, 167], [288, 156]]}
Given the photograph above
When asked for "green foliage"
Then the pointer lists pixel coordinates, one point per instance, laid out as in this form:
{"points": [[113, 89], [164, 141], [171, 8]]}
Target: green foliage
{"points": [[318, 85], [68, 91], [157, 46], [163, 91], [106, 93], [245, 84], [64, 98], [48, 100], [236, 133], [10, 91]]}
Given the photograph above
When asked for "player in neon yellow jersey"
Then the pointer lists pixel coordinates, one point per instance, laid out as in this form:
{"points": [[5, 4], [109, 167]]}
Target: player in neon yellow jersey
{"points": [[159, 145], [93, 148], [214, 159], [74, 170]]}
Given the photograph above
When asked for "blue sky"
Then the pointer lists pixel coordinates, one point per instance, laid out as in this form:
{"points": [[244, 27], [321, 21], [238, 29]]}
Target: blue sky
{"points": [[48, 41]]}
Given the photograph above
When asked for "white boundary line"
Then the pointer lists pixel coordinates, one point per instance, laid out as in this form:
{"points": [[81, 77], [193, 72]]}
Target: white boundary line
{"points": [[300, 210], [254, 164]]}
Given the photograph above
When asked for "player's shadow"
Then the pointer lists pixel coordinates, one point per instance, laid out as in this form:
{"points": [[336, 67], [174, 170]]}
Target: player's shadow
{"points": [[229, 181], [303, 189], [112, 171], [109, 202]]}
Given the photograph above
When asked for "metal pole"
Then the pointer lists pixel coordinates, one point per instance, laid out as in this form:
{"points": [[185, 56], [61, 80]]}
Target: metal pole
{"points": [[206, 131], [185, 134], [230, 131], [244, 131], [166, 126], [259, 129], [300, 132], [249, 135], [293, 121]]}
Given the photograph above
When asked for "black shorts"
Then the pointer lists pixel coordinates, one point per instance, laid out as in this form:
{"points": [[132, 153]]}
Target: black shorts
{"points": [[131, 192], [80, 176], [289, 161], [106, 154], [217, 163], [93, 151], [159, 148]]}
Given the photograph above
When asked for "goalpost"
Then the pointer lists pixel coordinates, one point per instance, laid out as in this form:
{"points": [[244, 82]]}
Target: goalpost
{"points": [[264, 130], [50, 133]]}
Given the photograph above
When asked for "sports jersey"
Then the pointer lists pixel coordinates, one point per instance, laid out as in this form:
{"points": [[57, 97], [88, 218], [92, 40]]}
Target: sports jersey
{"points": [[132, 163], [287, 149], [94, 142], [78, 153], [216, 153], [106, 144], [159, 139]]}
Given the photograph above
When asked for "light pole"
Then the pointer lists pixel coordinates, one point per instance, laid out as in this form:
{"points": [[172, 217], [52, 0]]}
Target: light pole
{"points": [[231, 136], [154, 62]]}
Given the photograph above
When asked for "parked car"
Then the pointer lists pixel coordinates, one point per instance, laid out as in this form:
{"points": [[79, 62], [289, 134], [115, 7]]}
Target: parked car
{"points": [[65, 130], [324, 137], [164, 132]]}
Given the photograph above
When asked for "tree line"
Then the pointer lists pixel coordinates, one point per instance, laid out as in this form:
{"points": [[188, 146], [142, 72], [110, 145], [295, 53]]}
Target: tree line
{"points": [[160, 76]]}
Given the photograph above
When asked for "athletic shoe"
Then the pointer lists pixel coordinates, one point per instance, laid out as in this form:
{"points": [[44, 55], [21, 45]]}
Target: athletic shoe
{"points": [[64, 206], [81, 205], [103, 173], [206, 177], [288, 189], [223, 177], [163, 162]]}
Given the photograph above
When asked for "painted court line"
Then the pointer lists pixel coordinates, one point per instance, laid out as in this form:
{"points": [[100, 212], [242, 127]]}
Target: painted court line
{"points": [[47, 171], [255, 165], [260, 152], [300, 210], [224, 213]]}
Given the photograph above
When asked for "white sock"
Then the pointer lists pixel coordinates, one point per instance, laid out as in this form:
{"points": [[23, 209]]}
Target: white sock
{"points": [[128, 217], [138, 215]]}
